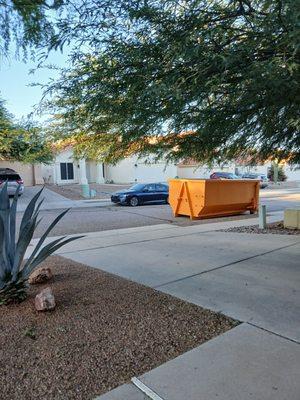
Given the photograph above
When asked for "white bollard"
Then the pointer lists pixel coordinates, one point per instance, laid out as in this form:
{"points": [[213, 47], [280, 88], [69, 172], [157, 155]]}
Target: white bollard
{"points": [[262, 216]]}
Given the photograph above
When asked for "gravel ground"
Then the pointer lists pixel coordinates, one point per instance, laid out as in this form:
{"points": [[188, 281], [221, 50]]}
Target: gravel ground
{"points": [[74, 191], [104, 331], [275, 228]]}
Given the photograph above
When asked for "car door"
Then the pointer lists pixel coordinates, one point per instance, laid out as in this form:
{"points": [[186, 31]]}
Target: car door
{"points": [[162, 191], [149, 193]]}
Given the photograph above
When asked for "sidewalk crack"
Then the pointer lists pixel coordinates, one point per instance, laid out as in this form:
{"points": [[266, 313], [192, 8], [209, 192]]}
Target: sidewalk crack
{"points": [[224, 266]]}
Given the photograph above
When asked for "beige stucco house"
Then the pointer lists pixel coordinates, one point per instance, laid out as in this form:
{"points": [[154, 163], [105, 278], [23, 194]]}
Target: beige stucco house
{"points": [[67, 170]]}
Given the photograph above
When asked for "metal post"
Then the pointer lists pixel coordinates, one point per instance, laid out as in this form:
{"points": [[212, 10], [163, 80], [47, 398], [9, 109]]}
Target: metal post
{"points": [[262, 216]]}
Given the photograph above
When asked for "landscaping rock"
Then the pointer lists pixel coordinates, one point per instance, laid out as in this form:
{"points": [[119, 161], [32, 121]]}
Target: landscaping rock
{"points": [[41, 275], [44, 301], [274, 228]]}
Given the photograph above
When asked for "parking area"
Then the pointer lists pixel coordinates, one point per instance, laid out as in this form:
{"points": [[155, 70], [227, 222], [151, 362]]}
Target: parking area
{"points": [[92, 216], [103, 218]]}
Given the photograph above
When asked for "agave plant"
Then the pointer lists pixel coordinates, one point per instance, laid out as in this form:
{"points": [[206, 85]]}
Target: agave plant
{"points": [[14, 270]]}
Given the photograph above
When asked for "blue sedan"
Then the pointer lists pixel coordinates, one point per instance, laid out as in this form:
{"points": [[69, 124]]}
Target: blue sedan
{"points": [[142, 193]]}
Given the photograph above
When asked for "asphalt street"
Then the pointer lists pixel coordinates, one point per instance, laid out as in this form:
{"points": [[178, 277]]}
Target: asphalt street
{"points": [[109, 216]]}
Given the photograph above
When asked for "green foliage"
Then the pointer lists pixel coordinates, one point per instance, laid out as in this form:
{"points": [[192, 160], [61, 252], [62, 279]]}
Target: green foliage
{"points": [[14, 270], [281, 174], [44, 25], [22, 142], [224, 72], [26, 23]]}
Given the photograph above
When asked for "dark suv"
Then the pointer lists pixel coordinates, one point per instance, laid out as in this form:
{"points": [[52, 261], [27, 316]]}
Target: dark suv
{"points": [[223, 175], [13, 180], [262, 178]]}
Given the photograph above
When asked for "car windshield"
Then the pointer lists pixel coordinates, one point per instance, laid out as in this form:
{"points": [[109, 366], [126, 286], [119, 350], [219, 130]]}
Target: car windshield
{"points": [[137, 187], [232, 176]]}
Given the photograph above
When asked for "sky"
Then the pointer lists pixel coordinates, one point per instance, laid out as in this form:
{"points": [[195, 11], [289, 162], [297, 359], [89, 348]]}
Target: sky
{"points": [[15, 80]]}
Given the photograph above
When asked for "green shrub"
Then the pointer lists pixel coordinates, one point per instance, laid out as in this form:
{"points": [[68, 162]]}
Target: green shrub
{"points": [[14, 270], [281, 174]]}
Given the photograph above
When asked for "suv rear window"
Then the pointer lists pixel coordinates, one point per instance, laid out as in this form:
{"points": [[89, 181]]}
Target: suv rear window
{"points": [[9, 177]]}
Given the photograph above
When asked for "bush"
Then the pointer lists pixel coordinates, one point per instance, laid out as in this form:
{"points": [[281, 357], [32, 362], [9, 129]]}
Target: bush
{"points": [[14, 271], [281, 174]]}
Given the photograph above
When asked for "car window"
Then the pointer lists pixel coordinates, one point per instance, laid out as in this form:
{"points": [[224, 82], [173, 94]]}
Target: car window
{"points": [[137, 187], [10, 177], [150, 188], [161, 188]]}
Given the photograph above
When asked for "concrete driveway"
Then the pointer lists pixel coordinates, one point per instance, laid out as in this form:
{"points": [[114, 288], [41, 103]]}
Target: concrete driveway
{"points": [[252, 278], [51, 199]]}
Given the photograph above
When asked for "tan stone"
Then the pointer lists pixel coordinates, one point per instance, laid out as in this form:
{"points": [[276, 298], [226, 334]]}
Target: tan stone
{"points": [[292, 218], [40, 275], [45, 301]]}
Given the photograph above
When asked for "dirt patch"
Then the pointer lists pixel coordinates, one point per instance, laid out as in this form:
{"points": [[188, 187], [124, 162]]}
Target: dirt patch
{"points": [[275, 228], [74, 191], [104, 331]]}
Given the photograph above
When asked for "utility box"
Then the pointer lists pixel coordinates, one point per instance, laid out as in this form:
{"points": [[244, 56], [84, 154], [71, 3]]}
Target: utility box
{"points": [[292, 218], [205, 198]]}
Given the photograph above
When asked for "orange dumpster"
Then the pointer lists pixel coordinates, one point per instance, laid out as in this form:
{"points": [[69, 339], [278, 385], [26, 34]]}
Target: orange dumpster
{"points": [[203, 198]]}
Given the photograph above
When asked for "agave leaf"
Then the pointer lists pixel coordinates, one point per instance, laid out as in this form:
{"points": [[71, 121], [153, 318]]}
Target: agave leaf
{"points": [[45, 252], [22, 244], [37, 209], [30, 209], [3, 261], [4, 214], [42, 239], [28, 266], [12, 224], [4, 199]]}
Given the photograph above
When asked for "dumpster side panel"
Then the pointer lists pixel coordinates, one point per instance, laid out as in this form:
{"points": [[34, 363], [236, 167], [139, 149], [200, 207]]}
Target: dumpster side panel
{"points": [[228, 197], [186, 197], [206, 198]]}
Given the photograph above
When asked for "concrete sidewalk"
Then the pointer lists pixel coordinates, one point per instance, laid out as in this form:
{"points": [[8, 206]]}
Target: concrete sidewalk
{"points": [[245, 363], [252, 278], [55, 201]]}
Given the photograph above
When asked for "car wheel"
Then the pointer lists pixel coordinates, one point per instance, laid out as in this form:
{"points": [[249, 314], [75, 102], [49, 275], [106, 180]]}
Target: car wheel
{"points": [[167, 200], [134, 201]]}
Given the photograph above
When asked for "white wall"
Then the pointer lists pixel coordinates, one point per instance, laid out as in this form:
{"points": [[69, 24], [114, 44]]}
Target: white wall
{"points": [[292, 172], [158, 172], [133, 170], [123, 172], [201, 172], [192, 172]]}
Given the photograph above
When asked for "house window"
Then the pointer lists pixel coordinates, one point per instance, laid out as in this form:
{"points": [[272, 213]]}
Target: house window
{"points": [[66, 171]]}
